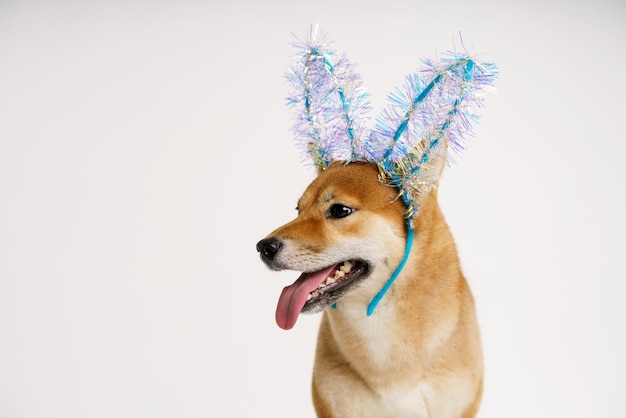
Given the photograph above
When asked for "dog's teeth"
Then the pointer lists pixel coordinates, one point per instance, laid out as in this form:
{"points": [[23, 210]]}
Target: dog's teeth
{"points": [[339, 274], [346, 267], [309, 297], [330, 280]]}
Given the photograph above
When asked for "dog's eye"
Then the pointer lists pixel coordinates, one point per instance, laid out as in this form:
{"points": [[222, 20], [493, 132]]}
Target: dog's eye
{"points": [[339, 211]]}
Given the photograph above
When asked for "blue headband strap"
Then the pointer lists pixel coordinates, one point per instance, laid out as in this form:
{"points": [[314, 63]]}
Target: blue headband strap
{"points": [[407, 250]]}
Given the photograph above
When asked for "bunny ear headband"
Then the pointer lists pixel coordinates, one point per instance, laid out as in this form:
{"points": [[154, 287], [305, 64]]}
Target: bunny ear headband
{"points": [[421, 129]]}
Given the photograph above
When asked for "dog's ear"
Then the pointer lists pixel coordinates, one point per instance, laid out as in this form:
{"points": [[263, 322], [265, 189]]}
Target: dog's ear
{"points": [[331, 103]]}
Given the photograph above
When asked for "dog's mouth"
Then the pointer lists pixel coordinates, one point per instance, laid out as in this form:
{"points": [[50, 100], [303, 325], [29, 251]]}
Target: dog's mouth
{"points": [[314, 291]]}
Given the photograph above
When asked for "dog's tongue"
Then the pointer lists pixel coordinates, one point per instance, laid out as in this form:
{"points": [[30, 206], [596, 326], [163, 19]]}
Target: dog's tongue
{"points": [[293, 297]]}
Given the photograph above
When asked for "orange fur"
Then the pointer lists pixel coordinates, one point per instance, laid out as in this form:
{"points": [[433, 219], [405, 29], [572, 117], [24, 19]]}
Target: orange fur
{"points": [[419, 354]]}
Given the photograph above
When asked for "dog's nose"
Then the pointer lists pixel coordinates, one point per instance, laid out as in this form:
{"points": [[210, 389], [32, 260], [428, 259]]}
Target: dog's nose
{"points": [[268, 248]]}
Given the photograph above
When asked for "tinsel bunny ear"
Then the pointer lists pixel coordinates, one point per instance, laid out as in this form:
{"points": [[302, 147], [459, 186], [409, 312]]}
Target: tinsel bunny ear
{"points": [[330, 101], [426, 123]]}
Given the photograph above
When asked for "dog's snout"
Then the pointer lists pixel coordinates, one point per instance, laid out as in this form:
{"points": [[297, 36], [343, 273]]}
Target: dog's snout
{"points": [[268, 248]]}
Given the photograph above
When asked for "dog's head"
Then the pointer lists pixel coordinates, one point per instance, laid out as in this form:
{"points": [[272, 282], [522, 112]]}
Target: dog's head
{"points": [[341, 239]]}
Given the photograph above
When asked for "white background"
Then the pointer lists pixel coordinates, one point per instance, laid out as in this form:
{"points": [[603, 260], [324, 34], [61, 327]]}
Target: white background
{"points": [[145, 149]]}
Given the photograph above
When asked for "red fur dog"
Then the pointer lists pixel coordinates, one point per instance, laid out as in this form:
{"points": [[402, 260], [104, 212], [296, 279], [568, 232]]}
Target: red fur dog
{"points": [[419, 354]]}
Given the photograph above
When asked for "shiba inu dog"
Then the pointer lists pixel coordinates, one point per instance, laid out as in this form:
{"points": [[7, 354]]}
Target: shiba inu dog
{"points": [[420, 354], [398, 336]]}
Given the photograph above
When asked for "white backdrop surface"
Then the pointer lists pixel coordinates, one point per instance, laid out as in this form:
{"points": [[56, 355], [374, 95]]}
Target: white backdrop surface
{"points": [[145, 149]]}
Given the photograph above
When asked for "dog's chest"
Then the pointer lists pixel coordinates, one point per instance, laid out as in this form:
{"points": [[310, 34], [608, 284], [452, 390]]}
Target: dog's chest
{"points": [[420, 401], [392, 381], [373, 346], [400, 403]]}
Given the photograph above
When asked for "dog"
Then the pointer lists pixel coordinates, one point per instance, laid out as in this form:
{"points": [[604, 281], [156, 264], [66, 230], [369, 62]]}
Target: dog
{"points": [[419, 355]]}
